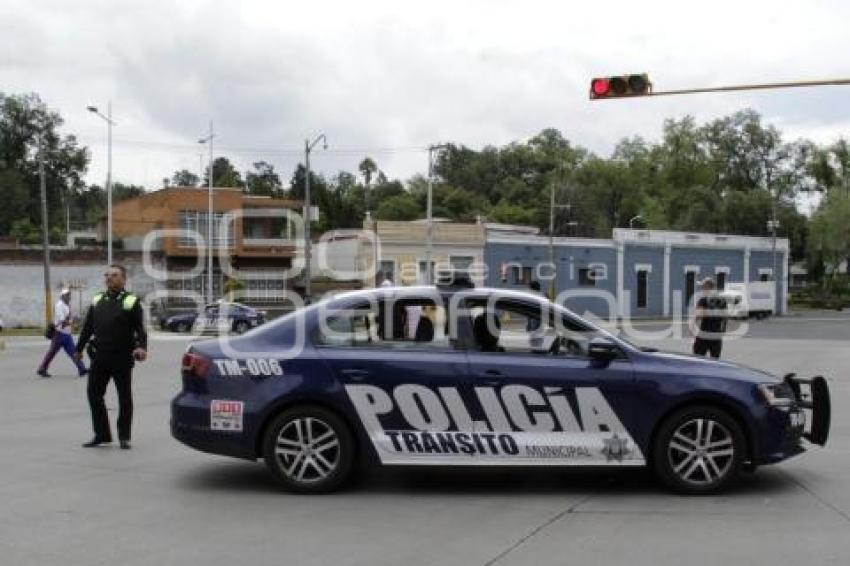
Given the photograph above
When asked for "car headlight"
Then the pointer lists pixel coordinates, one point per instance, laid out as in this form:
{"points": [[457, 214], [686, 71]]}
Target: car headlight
{"points": [[777, 394]]}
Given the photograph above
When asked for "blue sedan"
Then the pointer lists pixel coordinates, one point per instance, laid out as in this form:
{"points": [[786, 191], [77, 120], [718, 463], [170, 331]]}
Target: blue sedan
{"points": [[434, 376], [216, 317]]}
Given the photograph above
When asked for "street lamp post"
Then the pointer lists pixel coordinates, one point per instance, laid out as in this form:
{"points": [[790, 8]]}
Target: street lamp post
{"points": [[429, 229], [45, 241], [209, 140], [308, 147], [552, 207], [110, 123], [633, 218]]}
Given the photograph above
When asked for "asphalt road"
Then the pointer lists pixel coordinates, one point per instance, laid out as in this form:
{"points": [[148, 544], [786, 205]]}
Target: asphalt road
{"points": [[163, 504]]}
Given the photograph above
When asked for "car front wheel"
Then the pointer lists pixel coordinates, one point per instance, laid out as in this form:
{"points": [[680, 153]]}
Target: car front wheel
{"points": [[309, 449], [699, 450]]}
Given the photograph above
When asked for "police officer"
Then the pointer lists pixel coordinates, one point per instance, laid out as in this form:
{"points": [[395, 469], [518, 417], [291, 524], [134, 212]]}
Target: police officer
{"points": [[709, 321], [116, 322]]}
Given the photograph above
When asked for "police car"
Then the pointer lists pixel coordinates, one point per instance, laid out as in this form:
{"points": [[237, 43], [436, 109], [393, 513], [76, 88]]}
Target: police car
{"points": [[432, 376]]}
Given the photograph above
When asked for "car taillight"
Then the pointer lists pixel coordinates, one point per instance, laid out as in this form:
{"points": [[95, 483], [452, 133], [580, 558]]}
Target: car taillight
{"points": [[195, 365]]}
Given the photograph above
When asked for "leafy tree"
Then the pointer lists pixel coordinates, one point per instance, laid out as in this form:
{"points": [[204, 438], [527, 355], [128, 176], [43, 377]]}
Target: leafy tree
{"points": [[367, 168], [224, 174], [401, 207], [28, 128], [829, 237], [184, 178], [263, 180]]}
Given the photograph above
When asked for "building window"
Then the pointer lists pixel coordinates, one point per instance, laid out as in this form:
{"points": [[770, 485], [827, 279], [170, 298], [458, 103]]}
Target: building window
{"points": [[766, 274], [425, 275], [721, 280], [690, 286], [586, 277], [521, 275], [386, 271], [642, 281], [194, 221]]}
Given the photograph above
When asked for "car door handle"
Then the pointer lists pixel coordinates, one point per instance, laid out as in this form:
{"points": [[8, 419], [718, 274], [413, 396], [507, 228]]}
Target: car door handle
{"points": [[355, 374], [493, 373]]}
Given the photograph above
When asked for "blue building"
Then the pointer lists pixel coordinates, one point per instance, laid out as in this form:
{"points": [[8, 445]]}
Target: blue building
{"points": [[637, 273]]}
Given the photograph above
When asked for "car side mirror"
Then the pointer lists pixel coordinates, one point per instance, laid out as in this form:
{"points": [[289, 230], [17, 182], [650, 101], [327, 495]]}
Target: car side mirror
{"points": [[602, 349]]}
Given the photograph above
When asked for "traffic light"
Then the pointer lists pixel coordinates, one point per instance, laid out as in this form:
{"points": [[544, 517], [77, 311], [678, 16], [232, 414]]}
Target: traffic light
{"points": [[620, 86]]}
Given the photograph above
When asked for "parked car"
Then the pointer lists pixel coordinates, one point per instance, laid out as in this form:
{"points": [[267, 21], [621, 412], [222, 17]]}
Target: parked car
{"points": [[222, 317], [486, 377]]}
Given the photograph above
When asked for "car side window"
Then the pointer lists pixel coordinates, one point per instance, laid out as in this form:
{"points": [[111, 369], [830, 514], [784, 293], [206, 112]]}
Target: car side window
{"points": [[527, 328], [411, 324]]}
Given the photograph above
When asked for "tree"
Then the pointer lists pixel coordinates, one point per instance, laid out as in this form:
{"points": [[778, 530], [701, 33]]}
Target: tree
{"points": [[28, 128], [184, 178], [224, 174], [829, 236], [263, 181], [401, 207], [367, 168]]}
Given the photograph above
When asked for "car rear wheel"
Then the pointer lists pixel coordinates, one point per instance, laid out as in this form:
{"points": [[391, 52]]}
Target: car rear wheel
{"points": [[182, 327], [699, 450], [241, 327], [309, 449]]}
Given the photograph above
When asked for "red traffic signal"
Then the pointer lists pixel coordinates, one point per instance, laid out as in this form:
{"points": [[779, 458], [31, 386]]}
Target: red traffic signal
{"points": [[620, 86]]}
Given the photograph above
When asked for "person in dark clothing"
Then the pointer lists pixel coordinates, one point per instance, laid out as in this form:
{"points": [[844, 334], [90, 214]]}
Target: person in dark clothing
{"points": [[115, 325], [710, 320]]}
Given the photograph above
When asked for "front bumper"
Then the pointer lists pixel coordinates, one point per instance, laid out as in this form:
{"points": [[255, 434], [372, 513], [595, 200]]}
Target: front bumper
{"points": [[813, 396]]}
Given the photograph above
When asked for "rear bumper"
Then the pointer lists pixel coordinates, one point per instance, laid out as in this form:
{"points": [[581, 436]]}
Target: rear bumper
{"points": [[190, 424]]}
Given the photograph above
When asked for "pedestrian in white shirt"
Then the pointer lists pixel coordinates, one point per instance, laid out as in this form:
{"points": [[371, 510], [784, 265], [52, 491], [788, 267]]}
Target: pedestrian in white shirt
{"points": [[62, 336]]}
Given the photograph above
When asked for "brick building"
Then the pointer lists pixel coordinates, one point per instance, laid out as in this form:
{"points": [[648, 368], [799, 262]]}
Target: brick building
{"points": [[257, 235]]}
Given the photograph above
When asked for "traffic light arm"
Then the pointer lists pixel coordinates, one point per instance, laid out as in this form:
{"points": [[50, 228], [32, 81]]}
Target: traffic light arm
{"points": [[733, 88]]}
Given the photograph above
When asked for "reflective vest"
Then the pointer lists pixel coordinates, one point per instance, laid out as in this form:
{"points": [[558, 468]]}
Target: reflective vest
{"points": [[128, 300]]}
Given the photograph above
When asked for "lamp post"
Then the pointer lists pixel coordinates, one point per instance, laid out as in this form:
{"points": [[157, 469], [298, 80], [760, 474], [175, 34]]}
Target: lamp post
{"points": [[429, 230], [45, 241], [110, 123], [209, 140], [308, 147], [552, 207], [633, 218]]}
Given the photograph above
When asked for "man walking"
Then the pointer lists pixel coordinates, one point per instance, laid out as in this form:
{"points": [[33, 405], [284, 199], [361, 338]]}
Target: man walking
{"points": [[61, 336], [115, 323], [710, 319]]}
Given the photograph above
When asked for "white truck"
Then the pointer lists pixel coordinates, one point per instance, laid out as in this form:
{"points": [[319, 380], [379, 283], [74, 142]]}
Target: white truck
{"points": [[756, 298]]}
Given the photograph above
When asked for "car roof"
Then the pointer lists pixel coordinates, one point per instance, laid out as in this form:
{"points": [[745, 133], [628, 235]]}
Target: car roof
{"points": [[426, 290]]}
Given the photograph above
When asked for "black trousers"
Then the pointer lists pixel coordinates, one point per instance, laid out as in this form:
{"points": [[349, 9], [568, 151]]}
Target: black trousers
{"points": [[710, 347], [99, 376]]}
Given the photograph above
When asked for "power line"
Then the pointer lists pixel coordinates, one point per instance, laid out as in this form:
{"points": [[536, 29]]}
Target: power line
{"points": [[259, 149]]}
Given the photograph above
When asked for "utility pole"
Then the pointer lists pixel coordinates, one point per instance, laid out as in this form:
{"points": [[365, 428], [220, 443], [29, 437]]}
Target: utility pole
{"points": [[209, 140], [308, 247], [45, 242], [429, 229]]}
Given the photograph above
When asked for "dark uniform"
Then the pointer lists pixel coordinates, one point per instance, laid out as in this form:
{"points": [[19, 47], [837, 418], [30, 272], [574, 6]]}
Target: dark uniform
{"points": [[712, 325], [116, 321]]}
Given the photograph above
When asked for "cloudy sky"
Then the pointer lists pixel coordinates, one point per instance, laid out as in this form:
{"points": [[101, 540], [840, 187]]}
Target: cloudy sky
{"points": [[386, 79]]}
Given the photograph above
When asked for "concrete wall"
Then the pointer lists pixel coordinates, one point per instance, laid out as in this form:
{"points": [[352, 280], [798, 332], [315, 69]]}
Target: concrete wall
{"points": [[22, 287]]}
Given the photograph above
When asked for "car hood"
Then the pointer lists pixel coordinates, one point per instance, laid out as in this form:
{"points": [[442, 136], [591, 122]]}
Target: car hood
{"points": [[694, 365]]}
